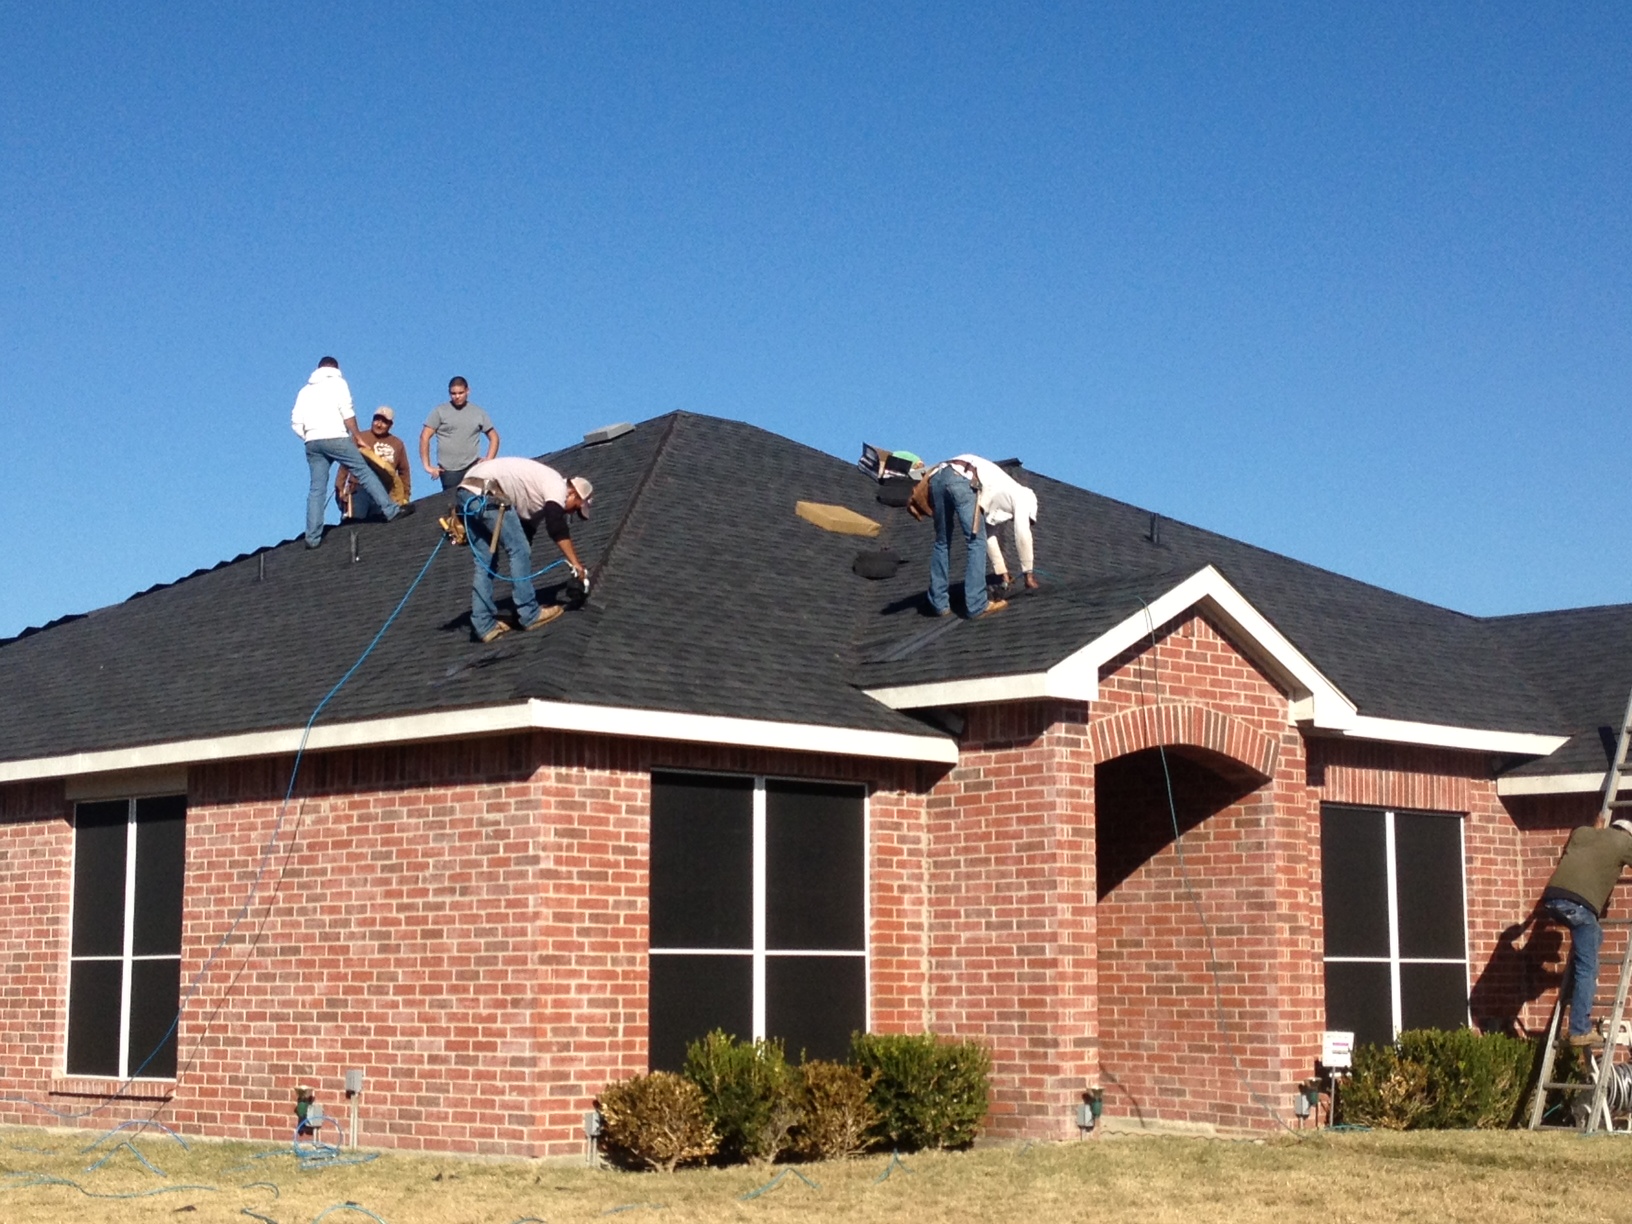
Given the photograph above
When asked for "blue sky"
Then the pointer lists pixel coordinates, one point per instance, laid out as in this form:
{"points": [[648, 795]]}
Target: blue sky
{"points": [[1348, 282]]}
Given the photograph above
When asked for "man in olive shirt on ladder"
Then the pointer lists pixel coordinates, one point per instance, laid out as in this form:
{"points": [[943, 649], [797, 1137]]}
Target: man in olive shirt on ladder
{"points": [[1576, 895]]}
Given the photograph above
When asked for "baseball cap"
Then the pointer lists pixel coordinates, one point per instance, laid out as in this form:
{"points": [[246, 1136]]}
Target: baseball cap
{"points": [[1623, 824], [384, 410], [586, 492]]}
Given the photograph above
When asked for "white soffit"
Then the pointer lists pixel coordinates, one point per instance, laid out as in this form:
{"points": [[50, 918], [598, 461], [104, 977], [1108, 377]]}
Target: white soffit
{"points": [[1316, 703], [161, 761], [1552, 784], [1436, 735], [1076, 677]]}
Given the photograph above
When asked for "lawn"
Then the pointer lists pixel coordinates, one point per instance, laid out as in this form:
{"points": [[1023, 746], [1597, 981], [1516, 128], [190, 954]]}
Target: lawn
{"points": [[1444, 1176]]}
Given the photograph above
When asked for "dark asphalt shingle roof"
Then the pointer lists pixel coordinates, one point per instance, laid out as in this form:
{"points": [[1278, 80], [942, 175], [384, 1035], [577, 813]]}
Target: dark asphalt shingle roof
{"points": [[713, 598]]}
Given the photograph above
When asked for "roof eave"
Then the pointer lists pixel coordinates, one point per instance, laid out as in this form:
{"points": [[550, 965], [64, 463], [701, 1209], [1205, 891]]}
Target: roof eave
{"points": [[1314, 703], [532, 714], [1076, 677], [1551, 784]]}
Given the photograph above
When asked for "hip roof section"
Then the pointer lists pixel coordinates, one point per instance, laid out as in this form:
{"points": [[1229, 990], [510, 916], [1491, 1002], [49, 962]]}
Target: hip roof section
{"points": [[713, 598]]}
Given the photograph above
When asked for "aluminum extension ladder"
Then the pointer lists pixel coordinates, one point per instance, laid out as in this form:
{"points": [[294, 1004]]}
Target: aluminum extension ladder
{"points": [[1618, 1030], [1601, 1063]]}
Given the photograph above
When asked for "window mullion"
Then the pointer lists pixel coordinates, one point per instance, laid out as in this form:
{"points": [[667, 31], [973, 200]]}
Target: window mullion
{"points": [[128, 944], [759, 860], [1393, 921]]}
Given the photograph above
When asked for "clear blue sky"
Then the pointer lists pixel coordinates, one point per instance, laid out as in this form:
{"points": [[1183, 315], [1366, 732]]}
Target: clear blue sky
{"points": [[1349, 282]]}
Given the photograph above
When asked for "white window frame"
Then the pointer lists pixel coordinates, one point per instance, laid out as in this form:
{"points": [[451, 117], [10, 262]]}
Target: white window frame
{"points": [[127, 956], [1394, 960], [760, 953]]}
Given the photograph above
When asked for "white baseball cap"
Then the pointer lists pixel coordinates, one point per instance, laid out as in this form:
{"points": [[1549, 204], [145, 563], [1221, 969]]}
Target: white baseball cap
{"points": [[585, 491]]}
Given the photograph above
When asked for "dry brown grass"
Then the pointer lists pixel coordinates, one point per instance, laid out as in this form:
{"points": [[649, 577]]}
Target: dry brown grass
{"points": [[1471, 1176]]}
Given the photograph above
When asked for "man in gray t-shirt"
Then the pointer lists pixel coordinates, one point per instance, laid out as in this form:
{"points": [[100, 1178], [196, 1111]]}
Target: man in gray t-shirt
{"points": [[457, 427]]}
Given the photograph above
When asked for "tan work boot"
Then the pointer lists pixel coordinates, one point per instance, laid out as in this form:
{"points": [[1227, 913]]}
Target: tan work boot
{"points": [[545, 616], [494, 634], [993, 605]]}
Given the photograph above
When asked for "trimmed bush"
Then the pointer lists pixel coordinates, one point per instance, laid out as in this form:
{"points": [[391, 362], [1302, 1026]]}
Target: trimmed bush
{"points": [[656, 1121], [928, 1093], [749, 1091], [1437, 1079], [835, 1113]]}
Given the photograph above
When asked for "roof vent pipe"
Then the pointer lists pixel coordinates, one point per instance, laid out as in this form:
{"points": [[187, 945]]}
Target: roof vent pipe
{"points": [[1156, 530]]}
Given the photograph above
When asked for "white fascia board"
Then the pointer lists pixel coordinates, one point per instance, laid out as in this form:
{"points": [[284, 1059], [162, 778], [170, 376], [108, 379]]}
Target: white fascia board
{"points": [[743, 732], [1553, 784], [1209, 591], [490, 720], [1076, 677], [1436, 735], [984, 690]]}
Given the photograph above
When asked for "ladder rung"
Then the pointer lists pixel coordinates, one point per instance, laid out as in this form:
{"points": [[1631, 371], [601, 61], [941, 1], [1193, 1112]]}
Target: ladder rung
{"points": [[1620, 803], [1570, 1087]]}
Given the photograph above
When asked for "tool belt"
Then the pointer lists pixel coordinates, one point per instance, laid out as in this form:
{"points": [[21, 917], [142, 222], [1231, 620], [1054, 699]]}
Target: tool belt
{"points": [[919, 505]]}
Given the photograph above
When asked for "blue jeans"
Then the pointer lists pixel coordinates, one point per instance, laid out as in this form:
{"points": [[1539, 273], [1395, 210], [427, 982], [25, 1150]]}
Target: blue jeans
{"points": [[362, 505], [484, 614], [952, 498], [321, 455], [1586, 937]]}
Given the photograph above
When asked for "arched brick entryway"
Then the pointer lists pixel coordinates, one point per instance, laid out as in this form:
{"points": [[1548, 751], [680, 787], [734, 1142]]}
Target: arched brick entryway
{"points": [[1173, 725], [1183, 937]]}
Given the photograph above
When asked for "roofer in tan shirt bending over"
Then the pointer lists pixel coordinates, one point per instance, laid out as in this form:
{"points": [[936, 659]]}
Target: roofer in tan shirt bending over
{"points": [[531, 493], [1576, 896]]}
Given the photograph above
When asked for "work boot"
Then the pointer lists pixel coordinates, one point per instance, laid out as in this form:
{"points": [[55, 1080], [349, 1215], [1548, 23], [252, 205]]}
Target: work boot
{"points": [[993, 605], [405, 509], [1583, 1041], [545, 616], [500, 628]]}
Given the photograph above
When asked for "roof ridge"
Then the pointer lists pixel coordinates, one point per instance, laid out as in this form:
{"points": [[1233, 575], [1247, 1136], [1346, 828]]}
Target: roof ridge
{"points": [[658, 452]]}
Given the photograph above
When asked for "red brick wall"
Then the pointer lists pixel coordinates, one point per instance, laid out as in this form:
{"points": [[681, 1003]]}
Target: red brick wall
{"points": [[1209, 1017], [465, 922], [1011, 910], [36, 853], [1535, 956]]}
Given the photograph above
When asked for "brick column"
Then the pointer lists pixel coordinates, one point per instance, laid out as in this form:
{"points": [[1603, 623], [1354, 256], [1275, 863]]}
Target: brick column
{"points": [[1012, 953]]}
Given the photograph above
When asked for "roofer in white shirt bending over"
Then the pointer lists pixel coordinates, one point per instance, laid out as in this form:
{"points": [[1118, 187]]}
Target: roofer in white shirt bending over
{"points": [[965, 495], [324, 418], [513, 496]]}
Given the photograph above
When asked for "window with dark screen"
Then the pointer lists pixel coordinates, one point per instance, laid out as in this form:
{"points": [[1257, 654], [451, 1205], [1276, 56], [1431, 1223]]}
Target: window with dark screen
{"points": [[124, 974], [758, 913], [1396, 937]]}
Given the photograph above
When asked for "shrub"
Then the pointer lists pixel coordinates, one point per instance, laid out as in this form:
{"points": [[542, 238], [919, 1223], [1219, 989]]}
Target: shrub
{"points": [[750, 1092], [928, 1093], [656, 1121], [1439, 1079], [835, 1114]]}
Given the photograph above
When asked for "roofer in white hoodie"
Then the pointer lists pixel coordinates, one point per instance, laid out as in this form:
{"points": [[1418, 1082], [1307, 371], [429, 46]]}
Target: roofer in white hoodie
{"points": [[325, 419]]}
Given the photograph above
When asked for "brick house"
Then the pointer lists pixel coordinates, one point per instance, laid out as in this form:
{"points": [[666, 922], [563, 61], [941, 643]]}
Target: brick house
{"points": [[744, 787]]}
